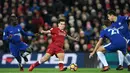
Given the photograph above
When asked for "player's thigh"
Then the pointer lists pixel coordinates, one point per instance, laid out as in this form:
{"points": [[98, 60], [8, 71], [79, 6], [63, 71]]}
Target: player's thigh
{"points": [[50, 50], [22, 46], [60, 56], [110, 47], [58, 50], [123, 49], [14, 50], [101, 48]]}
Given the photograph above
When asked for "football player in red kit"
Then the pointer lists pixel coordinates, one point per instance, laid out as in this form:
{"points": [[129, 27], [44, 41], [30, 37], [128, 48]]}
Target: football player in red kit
{"points": [[55, 48]]}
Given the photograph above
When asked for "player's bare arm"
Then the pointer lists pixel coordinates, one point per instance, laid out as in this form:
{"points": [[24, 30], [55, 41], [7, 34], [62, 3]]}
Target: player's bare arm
{"points": [[45, 32], [96, 47], [72, 38]]}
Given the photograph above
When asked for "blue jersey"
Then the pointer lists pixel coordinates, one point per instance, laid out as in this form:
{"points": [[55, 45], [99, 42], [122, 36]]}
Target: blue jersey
{"points": [[112, 34], [16, 32], [122, 25]]}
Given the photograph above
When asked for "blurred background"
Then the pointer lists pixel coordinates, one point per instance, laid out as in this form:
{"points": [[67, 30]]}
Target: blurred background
{"points": [[83, 19]]}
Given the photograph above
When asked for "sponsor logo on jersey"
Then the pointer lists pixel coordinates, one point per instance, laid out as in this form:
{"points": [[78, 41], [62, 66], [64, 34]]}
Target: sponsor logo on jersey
{"points": [[119, 23]]}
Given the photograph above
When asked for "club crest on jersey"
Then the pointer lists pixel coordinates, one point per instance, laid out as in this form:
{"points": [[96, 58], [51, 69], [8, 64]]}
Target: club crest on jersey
{"points": [[119, 23]]}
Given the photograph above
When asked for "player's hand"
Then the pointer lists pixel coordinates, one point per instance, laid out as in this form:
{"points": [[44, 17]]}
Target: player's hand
{"points": [[91, 54]]}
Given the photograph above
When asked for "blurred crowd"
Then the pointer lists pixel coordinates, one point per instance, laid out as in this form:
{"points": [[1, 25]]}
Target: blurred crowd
{"points": [[83, 19]]}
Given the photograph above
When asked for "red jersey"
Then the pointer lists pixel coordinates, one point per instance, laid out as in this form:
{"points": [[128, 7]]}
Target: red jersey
{"points": [[58, 36]]}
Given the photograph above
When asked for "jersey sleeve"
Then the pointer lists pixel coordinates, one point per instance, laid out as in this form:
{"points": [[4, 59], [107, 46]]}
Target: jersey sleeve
{"points": [[53, 30], [125, 17], [5, 34], [102, 34], [25, 33]]}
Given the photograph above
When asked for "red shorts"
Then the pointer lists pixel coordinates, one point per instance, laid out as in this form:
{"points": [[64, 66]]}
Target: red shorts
{"points": [[54, 49]]}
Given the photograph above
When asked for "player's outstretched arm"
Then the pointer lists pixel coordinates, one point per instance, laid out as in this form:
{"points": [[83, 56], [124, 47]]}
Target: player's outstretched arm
{"points": [[72, 38], [6, 36], [45, 32], [25, 33], [126, 17], [96, 47]]}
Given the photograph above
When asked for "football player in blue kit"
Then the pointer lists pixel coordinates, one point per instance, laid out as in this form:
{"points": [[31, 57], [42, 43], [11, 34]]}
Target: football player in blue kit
{"points": [[120, 23], [12, 33], [117, 42]]}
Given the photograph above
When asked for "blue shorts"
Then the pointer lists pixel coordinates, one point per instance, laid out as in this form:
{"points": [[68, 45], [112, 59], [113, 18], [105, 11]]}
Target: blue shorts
{"points": [[16, 48], [113, 48]]}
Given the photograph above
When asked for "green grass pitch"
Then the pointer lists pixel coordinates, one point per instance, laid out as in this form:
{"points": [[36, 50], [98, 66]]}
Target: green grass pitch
{"points": [[53, 70]]}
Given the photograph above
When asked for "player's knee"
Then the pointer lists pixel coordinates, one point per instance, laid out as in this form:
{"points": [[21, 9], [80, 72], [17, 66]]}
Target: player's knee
{"points": [[61, 58], [15, 55], [60, 54]]}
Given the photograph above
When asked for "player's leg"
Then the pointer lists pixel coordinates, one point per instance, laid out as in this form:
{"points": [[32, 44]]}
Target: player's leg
{"points": [[15, 52], [28, 51], [59, 52], [43, 59], [127, 56], [23, 46], [48, 54], [121, 55], [61, 61], [101, 56], [18, 58], [121, 59], [24, 57]]}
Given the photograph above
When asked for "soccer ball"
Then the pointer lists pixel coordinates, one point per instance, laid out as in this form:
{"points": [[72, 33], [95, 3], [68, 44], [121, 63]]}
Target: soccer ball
{"points": [[73, 67]]}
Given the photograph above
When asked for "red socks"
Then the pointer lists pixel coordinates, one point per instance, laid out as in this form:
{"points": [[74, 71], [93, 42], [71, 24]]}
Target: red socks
{"points": [[36, 64], [61, 66]]}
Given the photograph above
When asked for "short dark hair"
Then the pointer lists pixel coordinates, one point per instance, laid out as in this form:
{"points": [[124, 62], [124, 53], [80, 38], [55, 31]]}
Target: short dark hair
{"points": [[61, 20], [107, 22], [12, 18], [112, 12]]}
